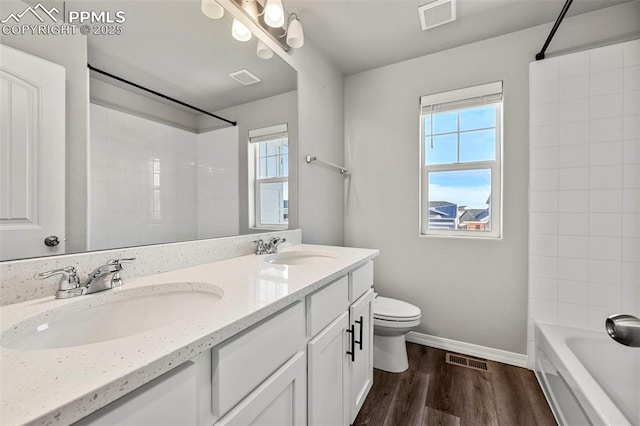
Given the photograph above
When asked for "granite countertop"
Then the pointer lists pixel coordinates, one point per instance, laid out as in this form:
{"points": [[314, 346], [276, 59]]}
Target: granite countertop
{"points": [[61, 386]]}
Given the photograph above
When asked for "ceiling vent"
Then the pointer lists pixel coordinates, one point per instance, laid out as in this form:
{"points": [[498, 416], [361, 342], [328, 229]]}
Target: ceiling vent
{"points": [[437, 13], [244, 77]]}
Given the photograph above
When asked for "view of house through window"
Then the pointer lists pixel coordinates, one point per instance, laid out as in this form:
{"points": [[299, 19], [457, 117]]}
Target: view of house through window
{"points": [[461, 146], [271, 176]]}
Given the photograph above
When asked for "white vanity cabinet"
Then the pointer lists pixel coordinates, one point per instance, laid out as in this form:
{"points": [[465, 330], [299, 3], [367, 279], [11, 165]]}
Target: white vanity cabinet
{"points": [[340, 371]]}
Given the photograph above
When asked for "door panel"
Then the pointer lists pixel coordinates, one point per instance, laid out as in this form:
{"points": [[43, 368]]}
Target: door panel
{"points": [[361, 370], [32, 161]]}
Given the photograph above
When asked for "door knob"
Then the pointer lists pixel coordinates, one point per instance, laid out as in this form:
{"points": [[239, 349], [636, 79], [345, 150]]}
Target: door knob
{"points": [[51, 241]]}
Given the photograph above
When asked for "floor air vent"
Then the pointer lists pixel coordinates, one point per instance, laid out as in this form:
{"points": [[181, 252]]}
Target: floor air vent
{"points": [[464, 361]]}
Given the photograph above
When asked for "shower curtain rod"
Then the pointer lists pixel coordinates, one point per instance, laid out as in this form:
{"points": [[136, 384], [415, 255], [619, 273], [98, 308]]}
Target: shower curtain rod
{"points": [[115, 77], [565, 8]]}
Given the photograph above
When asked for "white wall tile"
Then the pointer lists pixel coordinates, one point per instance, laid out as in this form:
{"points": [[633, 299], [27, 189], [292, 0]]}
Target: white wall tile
{"points": [[606, 130], [573, 178], [605, 272], [607, 58], [605, 177], [631, 274], [573, 269], [543, 310], [573, 110], [605, 224], [573, 88], [631, 53], [573, 65], [605, 248], [573, 155], [575, 133], [573, 292], [605, 295], [605, 200], [543, 267], [572, 315], [603, 154], [631, 300], [631, 200], [544, 201], [544, 245], [573, 246], [606, 82], [573, 223], [541, 115], [597, 317], [631, 128], [544, 92], [632, 78], [631, 225], [543, 223], [543, 158], [544, 180], [543, 288], [631, 249], [606, 106], [631, 152], [631, 103], [572, 201], [544, 70], [544, 135]]}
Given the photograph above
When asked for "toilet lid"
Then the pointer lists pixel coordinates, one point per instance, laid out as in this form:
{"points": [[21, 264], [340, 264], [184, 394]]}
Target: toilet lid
{"points": [[393, 309]]}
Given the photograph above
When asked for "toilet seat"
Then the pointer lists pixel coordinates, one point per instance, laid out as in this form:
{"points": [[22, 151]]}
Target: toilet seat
{"points": [[387, 309]]}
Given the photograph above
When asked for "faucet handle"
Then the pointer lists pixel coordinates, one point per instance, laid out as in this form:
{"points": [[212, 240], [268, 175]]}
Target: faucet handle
{"points": [[120, 262], [69, 277]]}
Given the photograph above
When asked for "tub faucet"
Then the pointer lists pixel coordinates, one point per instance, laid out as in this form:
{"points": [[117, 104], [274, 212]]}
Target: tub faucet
{"points": [[102, 278], [624, 329]]}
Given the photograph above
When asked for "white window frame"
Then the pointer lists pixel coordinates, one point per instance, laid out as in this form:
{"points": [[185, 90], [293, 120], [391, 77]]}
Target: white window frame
{"points": [[452, 98], [255, 137]]}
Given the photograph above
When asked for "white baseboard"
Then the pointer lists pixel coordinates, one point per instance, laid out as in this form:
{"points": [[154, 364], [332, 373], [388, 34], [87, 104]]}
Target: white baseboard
{"points": [[511, 358]]}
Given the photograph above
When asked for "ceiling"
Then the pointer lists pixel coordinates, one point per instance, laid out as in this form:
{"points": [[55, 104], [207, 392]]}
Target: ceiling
{"points": [[363, 34], [173, 48]]}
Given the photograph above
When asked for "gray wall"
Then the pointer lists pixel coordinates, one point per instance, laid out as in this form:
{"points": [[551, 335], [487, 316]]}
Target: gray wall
{"points": [[70, 52], [469, 290], [255, 115]]}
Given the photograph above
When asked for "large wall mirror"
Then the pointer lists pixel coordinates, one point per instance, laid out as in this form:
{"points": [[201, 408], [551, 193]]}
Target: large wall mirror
{"points": [[140, 169]]}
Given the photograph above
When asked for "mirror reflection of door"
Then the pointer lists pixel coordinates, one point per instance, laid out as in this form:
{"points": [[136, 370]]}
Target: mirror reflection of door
{"points": [[32, 161]]}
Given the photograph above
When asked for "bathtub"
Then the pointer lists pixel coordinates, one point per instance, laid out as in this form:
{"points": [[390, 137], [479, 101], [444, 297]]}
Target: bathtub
{"points": [[586, 377]]}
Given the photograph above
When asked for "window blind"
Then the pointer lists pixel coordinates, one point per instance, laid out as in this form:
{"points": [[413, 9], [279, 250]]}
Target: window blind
{"points": [[270, 133], [470, 97]]}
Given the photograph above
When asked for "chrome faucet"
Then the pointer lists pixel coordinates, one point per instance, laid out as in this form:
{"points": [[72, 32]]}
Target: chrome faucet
{"points": [[269, 247], [624, 329], [102, 278]]}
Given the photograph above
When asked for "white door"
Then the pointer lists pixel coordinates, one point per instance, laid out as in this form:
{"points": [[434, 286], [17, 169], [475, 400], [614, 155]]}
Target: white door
{"points": [[32, 160], [328, 374], [361, 369], [280, 400]]}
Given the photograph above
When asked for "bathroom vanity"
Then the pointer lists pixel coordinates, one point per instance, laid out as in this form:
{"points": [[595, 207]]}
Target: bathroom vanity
{"points": [[287, 340]]}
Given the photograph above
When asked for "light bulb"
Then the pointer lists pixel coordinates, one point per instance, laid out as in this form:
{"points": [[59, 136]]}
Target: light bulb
{"points": [[295, 36], [263, 50], [212, 9], [239, 31], [274, 13]]}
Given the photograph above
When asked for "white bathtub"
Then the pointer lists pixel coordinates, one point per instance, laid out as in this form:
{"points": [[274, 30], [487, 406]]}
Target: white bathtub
{"points": [[587, 377]]}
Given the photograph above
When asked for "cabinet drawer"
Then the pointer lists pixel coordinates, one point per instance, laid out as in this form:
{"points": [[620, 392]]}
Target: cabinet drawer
{"points": [[360, 281], [326, 304], [241, 364]]}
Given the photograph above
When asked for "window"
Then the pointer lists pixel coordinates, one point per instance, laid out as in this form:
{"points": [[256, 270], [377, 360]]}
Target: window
{"points": [[269, 177], [460, 160]]}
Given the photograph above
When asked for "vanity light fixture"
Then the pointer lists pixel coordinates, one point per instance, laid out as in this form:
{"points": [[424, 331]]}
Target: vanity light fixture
{"points": [[295, 35], [274, 13], [239, 31], [212, 9], [263, 50]]}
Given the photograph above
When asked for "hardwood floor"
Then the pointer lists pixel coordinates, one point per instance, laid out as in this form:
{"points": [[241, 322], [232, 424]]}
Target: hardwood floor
{"points": [[432, 392]]}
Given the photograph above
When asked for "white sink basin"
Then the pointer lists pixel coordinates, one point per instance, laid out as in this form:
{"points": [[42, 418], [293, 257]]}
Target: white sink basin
{"points": [[112, 315], [301, 257]]}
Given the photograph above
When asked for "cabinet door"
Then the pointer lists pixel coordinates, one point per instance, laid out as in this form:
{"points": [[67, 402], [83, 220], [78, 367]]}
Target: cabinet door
{"points": [[328, 374], [279, 400], [361, 369]]}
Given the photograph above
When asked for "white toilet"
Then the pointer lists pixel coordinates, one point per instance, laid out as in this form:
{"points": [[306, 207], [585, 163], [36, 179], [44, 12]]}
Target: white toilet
{"points": [[392, 319]]}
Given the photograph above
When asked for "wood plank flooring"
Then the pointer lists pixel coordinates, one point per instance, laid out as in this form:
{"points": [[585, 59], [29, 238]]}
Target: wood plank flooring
{"points": [[432, 392]]}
